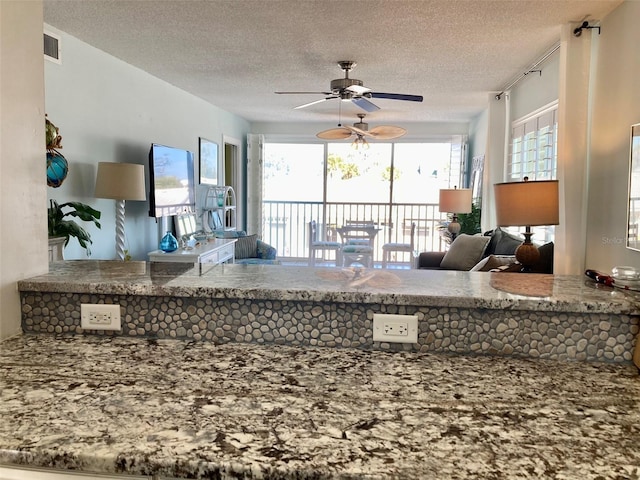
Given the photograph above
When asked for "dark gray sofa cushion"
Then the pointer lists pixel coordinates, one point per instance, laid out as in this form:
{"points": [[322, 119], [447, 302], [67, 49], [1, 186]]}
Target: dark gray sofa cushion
{"points": [[503, 243]]}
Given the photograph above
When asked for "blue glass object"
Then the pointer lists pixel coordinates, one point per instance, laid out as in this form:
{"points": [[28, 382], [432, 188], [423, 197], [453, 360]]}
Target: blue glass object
{"points": [[57, 168], [169, 243]]}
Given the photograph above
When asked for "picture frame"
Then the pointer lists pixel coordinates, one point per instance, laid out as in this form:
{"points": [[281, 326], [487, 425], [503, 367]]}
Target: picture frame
{"points": [[633, 200], [208, 161]]}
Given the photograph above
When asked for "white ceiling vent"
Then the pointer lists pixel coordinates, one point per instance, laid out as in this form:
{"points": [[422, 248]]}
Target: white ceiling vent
{"points": [[52, 51]]}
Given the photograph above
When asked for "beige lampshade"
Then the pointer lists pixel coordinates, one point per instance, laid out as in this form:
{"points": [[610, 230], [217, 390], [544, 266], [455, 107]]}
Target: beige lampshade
{"points": [[527, 203], [120, 181], [455, 200]]}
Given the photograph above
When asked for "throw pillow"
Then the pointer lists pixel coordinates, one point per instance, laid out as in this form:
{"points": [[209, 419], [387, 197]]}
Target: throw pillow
{"points": [[266, 251], [493, 261], [545, 264], [503, 243], [465, 252], [247, 247]]}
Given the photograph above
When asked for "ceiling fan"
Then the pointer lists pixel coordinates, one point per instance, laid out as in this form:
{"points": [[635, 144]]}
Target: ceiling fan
{"points": [[361, 130], [353, 89]]}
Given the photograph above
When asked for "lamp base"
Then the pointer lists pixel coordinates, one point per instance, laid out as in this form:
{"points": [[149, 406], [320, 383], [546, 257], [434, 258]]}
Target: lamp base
{"points": [[454, 227], [527, 253]]}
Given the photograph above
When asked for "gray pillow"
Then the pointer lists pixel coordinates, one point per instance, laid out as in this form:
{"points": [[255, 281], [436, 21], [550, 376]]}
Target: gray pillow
{"points": [[465, 252], [503, 243], [247, 247]]}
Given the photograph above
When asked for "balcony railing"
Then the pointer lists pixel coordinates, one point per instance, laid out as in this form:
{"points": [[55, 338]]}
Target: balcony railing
{"points": [[286, 225]]}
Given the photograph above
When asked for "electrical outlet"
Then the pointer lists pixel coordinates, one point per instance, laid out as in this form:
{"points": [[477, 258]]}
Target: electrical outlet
{"points": [[395, 328], [100, 317]]}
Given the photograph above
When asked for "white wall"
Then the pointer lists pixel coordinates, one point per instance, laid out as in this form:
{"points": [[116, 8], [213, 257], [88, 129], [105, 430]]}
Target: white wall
{"points": [[110, 111], [478, 131], [616, 106], [23, 224], [536, 90]]}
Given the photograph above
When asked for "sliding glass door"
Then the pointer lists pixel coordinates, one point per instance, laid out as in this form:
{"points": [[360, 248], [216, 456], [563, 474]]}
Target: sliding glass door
{"points": [[392, 184]]}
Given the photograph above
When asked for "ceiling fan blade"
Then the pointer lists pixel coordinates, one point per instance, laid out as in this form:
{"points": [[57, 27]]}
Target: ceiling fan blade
{"points": [[358, 89], [335, 134], [365, 104], [313, 103], [303, 93], [359, 131], [387, 132], [397, 96]]}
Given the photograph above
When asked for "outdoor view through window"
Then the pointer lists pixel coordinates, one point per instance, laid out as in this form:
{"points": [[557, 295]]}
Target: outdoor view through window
{"points": [[359, 187]]}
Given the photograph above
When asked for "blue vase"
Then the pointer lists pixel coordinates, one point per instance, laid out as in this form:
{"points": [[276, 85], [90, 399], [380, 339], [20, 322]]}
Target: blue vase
{"points": [[169, 243]]}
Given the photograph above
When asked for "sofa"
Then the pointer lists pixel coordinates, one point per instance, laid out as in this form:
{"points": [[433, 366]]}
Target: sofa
{"points": [[250, 250], [493, 251]]}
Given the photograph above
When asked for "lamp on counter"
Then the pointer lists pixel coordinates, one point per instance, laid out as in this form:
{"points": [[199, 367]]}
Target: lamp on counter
{"points": [[120, 181], [527, 204], [455, 201]]}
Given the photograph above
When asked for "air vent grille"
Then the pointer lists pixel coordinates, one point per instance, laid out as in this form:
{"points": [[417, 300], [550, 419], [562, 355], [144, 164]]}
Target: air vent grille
{"points": [[52, 48]]}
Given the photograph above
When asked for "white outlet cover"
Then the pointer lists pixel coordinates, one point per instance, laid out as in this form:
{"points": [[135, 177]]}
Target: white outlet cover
{"points": [[379, 321], [112, 312]]}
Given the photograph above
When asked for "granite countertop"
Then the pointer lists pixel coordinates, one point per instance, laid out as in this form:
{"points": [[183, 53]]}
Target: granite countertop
{"points": [[199, 410], [348, 285]]}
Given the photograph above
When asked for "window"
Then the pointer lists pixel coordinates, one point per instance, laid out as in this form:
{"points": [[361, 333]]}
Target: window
{"points": [[393, 184], [533, 151]]}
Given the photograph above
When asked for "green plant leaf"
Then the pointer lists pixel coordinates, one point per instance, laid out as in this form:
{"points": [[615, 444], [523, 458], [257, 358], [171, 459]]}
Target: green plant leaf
{"points": [[59, 226]]}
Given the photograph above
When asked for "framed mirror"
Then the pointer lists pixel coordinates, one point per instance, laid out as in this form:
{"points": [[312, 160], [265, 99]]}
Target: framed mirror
{"points": [[633, 208]]}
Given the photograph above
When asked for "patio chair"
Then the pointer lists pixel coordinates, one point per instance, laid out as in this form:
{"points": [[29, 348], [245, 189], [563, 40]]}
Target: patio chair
{"points": [[387, 248], [316, 245]]}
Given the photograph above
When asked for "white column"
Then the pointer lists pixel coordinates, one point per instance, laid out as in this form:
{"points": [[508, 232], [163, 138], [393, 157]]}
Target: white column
{"points": [[23, 185], [254, 183], [573, 150]]}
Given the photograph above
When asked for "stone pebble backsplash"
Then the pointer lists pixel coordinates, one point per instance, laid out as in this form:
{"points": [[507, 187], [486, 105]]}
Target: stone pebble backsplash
{"points": [[552, 335]]}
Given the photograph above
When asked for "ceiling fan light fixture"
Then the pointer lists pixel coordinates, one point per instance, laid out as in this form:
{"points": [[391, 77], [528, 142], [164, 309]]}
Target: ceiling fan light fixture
{"points": [[360, 142]]}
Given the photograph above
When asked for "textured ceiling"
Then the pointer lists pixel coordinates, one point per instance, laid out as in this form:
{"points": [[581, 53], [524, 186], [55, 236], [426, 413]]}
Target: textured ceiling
{"points": [[236, 53]]}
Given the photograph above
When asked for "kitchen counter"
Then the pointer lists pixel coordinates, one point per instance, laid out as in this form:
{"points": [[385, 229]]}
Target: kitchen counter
{"points": [[554, 293], [201, 410], [526, 315]]}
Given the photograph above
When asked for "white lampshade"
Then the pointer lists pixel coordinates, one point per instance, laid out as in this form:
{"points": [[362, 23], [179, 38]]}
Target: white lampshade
{"points": [[527, 203], [455, 200], [120, 181]]}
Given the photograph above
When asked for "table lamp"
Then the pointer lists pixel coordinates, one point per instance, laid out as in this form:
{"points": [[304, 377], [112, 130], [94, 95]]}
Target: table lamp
{"points": [[527, 204], [455, 201], [120, 181]]}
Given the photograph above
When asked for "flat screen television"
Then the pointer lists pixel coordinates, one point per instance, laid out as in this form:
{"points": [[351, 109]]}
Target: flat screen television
{"points": [[171, 181]]}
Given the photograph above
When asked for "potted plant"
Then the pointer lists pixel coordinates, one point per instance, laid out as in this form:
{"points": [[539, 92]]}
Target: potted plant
{"points": [[61, 227]]}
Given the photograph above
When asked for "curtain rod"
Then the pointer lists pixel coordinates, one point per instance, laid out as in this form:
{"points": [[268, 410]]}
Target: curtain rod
{"points": [[531, 69]]}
